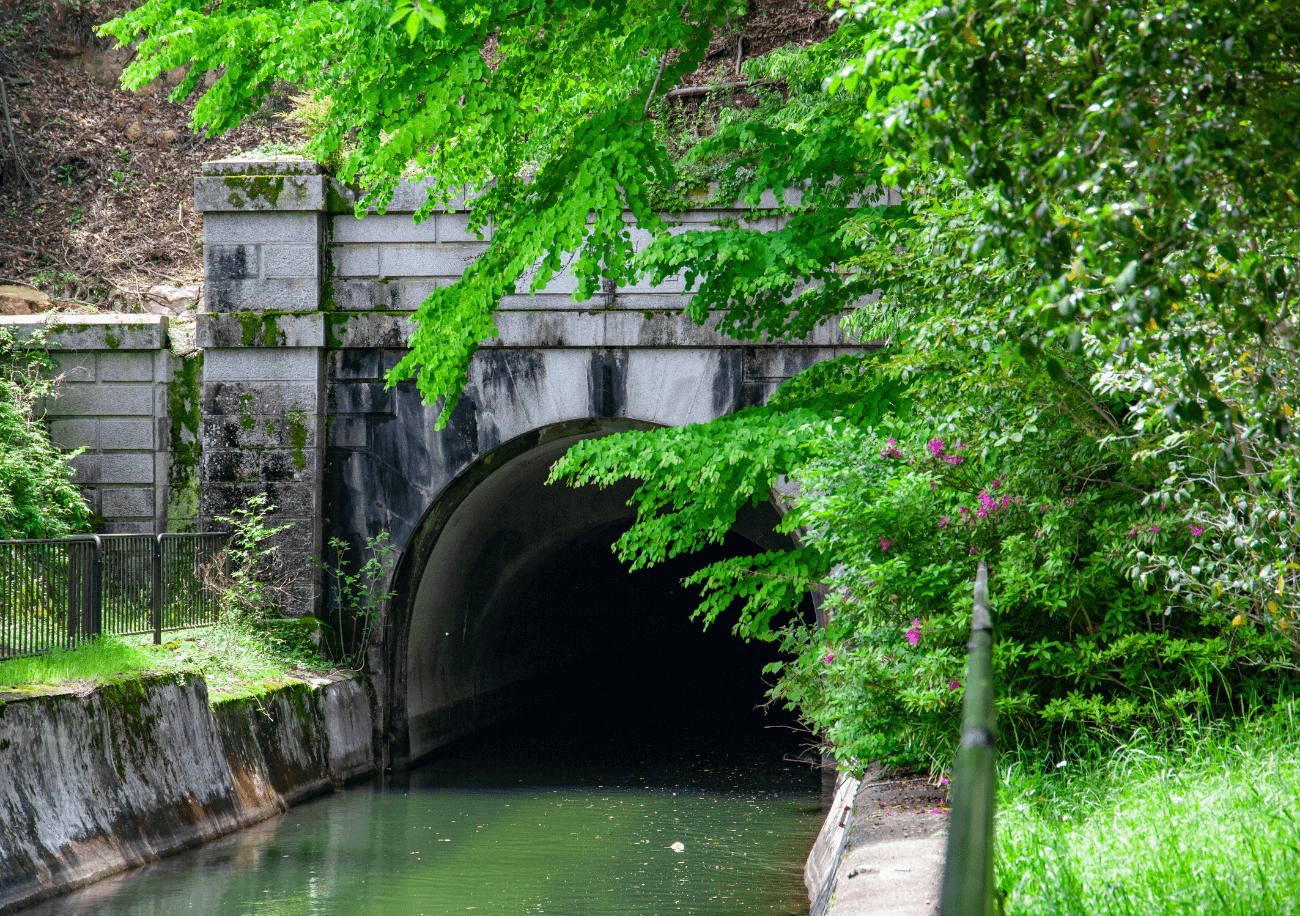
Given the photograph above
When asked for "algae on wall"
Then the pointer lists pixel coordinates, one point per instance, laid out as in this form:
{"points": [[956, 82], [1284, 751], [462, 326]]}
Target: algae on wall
{"points": [[184, 411]]}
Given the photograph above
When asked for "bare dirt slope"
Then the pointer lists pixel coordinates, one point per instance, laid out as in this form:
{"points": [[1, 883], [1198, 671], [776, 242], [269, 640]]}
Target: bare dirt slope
{"points": [[100, 211]]}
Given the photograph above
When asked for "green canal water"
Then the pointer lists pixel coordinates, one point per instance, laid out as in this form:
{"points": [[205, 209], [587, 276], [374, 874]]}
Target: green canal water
{"points": [[473, 835]]}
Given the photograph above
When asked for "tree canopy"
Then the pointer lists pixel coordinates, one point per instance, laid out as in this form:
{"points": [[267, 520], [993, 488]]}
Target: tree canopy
{"points": [[1087, 293]]}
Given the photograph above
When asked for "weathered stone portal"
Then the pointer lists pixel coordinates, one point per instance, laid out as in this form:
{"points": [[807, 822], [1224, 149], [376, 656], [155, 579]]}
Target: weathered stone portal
{"points": [[309, 307]]}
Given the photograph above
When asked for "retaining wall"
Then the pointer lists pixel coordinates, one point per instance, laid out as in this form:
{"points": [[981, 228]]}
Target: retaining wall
{"points": [[131, 401], [128, 773]]}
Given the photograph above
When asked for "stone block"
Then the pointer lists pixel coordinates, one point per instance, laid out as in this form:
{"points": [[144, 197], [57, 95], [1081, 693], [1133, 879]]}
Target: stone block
{"points": [[253, 402], [355, 260], [270, 295], [285, 464], [348, 432], [412, 292], [294, 501], [364, 295], [126, 434], [549, 329], [222, 432], [252, 193], [125, 366], [231, 465], [386, 227], [289, 165], [230, 262], [123, 400], [561, 302], [370, 329], [389, 360], [251, 364], [410, 196], [291, 228], [454, 227], [96, 332], [260, 329], [359, 398], [428, 260], [349, 365], [280, 261], [121, 502], [119, 468], [74, 366], [75, 433]]}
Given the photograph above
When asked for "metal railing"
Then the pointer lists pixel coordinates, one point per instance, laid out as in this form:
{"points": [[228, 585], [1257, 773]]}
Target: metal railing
{"points": [[60, 592], [968, 867]]}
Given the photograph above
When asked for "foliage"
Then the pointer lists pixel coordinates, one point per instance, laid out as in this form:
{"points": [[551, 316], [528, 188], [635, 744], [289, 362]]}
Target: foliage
{"points": [[356, 594], [1200, 822], [37, 496], [1087, 298], [1140, 155], [249, 576]]}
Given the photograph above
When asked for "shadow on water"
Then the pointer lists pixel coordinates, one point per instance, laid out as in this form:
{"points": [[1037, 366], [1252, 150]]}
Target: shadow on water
{"points": [[571, 806]]}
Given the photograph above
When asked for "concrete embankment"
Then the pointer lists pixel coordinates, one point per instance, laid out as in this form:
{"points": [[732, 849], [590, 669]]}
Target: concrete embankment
{"points": [[96, 783]]}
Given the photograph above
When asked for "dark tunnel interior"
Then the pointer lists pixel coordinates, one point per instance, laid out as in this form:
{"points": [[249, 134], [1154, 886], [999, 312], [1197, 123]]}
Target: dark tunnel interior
{"points": [[647, 685]]}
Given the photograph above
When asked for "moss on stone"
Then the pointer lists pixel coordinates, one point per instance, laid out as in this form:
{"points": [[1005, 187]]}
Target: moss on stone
{"points": [[298, 437], [254, 187], [245, 415], [184, 413]]}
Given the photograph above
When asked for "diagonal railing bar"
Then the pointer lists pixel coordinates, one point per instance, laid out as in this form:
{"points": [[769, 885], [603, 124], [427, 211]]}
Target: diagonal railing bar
{"points": [[968, 867]]}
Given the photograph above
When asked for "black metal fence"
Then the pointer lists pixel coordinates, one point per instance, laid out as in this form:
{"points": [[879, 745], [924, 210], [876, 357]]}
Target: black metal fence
{"points": [[968, 867], [57, 593]]}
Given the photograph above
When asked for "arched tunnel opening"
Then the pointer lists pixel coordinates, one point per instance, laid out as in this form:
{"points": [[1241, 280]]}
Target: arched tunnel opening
{"points": [[527, 637]]}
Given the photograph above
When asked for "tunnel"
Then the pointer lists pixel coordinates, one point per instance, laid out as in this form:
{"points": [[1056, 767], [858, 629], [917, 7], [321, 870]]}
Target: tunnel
{"points": [[509, 601]]}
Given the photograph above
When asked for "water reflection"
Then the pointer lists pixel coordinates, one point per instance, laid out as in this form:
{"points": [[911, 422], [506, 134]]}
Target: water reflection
{"points": [[461, 837]]}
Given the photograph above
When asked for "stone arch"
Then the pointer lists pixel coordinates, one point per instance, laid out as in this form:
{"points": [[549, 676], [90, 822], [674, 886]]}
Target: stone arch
{"points": [[462, 641]]}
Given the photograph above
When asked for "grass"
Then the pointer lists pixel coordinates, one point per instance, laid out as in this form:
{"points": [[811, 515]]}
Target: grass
{"points": [[1204, 822], [234, 660]]}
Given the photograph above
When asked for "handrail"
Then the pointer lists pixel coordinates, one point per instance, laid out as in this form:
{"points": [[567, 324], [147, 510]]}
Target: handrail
{"points": [[968, 867], [58, 592]]}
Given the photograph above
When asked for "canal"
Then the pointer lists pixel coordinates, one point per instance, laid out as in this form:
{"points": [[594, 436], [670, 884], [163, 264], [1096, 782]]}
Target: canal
{"points": [[572, 806]]}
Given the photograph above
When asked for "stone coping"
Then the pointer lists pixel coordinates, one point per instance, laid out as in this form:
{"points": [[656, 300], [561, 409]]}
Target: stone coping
{"points": [[92, 332]]}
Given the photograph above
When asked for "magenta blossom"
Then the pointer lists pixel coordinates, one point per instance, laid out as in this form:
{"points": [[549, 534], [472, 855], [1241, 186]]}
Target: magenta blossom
{"points": [[943, 780], [1196, 530], [914, 634], [828, 658], [891, 449], [943, 521], [936, 447], [953, 685], [885, 544]]}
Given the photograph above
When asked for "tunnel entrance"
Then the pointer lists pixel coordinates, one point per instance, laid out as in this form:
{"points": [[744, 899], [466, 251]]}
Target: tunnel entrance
{"points": [[509, 598]]}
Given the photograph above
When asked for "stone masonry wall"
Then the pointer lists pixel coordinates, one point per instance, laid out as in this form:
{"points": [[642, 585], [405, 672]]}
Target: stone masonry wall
{"points": [[127, 399]]}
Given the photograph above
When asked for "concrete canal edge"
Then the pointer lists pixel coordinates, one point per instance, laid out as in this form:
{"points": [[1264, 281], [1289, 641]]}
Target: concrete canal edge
{"points": [[93, 784], [822, 866]]}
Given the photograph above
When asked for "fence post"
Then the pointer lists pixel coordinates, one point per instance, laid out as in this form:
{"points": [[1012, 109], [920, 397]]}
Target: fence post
{"points": [[157, 590], [94, 624], [968, 869]]}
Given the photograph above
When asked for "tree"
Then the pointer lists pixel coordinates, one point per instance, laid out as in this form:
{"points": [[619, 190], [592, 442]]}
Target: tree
{"points": [[1098, 246]]}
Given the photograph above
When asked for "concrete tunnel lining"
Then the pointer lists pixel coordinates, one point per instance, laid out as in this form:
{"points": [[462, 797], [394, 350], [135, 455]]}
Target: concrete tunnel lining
{"points": [[475, 645]]}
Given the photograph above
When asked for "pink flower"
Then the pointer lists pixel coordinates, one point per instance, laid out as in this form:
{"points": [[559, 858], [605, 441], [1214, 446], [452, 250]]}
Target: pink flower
{"points": [[828, 658], [1004, 502], [1155, 529], [936, 447], [943, 521], [974, 550], [885, 544], [1069, 500], [914, 634], [891, 449], [943, 781], [953, 685], [1196, 530]]}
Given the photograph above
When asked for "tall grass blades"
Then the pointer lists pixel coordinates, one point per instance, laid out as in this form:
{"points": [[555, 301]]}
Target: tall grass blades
{"points": [[1207, 822]]}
